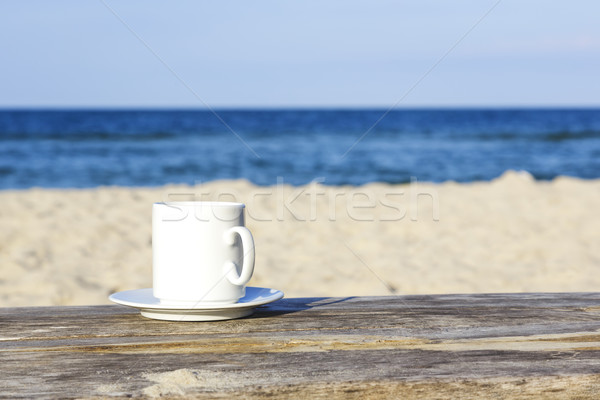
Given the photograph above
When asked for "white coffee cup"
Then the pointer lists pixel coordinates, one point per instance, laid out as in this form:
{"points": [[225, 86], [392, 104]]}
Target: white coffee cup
{"points": [[202, 252]]}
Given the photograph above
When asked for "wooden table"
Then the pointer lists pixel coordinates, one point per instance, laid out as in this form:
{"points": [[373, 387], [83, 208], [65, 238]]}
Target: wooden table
{"points": [[450, 346]]}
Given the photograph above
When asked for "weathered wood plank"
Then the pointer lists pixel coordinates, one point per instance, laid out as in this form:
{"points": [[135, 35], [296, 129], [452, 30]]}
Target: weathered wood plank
{"points": [[444, 346]]}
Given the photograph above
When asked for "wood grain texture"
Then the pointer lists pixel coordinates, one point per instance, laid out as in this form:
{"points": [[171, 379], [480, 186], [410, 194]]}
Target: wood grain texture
{"points": [[446, 346]]}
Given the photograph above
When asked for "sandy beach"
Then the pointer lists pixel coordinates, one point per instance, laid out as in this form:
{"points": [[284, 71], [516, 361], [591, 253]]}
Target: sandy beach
{"points": [[513, 234]]}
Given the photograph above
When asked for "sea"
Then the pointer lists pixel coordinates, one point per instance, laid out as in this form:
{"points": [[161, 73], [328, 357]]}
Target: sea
{"points": [[91, 148]]}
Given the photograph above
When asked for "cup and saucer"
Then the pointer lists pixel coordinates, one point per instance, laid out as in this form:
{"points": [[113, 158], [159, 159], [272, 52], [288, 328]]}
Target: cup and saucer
{"points": [[203, 257]]}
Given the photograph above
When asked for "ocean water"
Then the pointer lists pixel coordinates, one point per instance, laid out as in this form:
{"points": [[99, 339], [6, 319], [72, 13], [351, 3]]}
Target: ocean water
{"points": [[89, 148]]}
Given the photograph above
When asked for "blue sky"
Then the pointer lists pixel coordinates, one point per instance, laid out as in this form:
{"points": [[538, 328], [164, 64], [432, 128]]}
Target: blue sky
{"points": [[299, 54]]}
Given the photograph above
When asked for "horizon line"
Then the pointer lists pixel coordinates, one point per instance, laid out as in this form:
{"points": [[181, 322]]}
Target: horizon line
{"points": [[292, 108]]}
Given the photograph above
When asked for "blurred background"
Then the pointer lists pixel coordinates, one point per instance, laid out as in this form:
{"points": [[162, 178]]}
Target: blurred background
{"points": [[149, 93], [144, 95]]}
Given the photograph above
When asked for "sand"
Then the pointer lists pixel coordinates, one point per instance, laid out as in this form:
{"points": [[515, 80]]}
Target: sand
{"points": [[513, 234]]}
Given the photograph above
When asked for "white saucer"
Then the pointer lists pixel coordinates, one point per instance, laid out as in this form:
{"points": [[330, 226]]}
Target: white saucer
{"points": [[151, 307]]}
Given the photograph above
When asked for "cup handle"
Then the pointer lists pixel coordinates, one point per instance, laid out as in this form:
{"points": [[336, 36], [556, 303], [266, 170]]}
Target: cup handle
{"points": [[248, 258]]}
